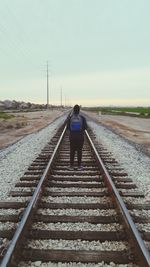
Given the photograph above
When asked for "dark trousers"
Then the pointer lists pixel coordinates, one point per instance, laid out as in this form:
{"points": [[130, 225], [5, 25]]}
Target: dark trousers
{"points": [[76, 145]]}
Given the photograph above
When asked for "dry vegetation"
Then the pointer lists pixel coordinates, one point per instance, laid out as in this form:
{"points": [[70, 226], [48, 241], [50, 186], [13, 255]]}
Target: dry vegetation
{"points": [[14, 126]]}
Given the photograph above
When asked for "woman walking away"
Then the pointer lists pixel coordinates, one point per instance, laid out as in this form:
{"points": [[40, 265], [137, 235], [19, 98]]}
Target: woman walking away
{"points": [[76, 125]]}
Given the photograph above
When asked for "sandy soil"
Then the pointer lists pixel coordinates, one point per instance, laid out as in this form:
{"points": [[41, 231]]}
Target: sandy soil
{"points": [[133, 129], [24, 123]]}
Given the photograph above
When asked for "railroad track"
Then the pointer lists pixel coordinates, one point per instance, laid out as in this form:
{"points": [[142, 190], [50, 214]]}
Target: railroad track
{"points": [[73, 216]]}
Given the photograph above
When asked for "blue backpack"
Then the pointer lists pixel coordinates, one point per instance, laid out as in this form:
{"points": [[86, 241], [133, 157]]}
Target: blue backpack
{"points": [[76, 123]]}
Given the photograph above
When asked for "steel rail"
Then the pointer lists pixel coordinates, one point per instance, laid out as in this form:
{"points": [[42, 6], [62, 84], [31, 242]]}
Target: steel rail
{"points": [[9, 258], [18, 236], [144, 255]]}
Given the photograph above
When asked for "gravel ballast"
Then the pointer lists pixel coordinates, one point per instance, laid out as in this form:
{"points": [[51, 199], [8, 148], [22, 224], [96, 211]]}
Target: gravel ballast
{"points": [[73, 264], [78, 245], [134, 162], [77, 226], [16, 159]]}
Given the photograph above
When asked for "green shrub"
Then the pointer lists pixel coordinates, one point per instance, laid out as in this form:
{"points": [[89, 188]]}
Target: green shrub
{"points": [[6, 116]]}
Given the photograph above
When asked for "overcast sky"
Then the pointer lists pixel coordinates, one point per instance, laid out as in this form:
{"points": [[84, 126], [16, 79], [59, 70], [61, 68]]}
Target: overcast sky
{"points": [[98, 51]]}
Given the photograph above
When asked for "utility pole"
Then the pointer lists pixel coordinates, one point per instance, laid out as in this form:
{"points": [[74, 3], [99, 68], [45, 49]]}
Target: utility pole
{"points": [[47, 86], [61, 97]]}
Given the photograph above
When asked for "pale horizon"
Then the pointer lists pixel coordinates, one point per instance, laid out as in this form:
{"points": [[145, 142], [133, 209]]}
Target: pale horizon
{"points": [[97, 51]]}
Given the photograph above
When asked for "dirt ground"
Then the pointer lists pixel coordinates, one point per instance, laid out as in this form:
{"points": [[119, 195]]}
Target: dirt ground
{"points": [[24, 123], [133, 129]]}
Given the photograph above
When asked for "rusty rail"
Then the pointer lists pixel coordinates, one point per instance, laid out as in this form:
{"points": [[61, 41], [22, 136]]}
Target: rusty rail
{"points": [[10, 255], [20, 231]]}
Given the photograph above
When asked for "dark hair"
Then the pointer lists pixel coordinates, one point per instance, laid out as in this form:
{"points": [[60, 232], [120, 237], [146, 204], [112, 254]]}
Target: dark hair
{"points": [[76, 109]]}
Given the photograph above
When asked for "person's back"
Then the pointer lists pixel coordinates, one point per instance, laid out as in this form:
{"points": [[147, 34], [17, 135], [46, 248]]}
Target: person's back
{"points": [[76, 125]]}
